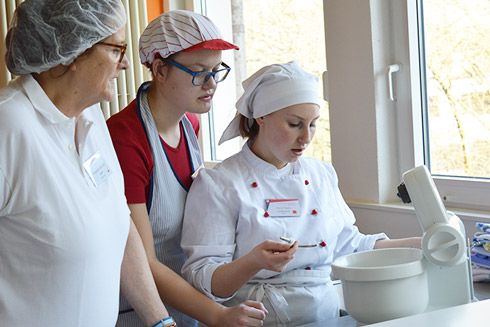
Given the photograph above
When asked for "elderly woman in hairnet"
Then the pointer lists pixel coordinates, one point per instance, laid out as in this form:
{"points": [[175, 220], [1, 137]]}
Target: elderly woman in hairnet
{"points": [[155, 138], [266, 223], [67, 243]]}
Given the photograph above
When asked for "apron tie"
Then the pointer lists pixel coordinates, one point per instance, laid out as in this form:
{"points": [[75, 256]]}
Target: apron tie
{"points": [[277, 301]]}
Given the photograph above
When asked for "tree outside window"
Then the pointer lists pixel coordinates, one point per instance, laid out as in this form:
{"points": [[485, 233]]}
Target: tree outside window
{"points": [[457, 46]]}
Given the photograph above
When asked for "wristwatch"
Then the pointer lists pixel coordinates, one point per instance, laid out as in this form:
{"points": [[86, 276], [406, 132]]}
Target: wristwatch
{"points": [[167, 322]]}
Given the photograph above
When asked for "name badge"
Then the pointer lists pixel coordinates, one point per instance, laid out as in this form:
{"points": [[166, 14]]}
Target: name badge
{"points": [[97, 169], [283, 207]]}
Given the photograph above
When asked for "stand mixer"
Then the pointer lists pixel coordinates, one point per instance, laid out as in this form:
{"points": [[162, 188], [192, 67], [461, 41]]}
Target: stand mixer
{"points": [[443, 242], [386, 284]]}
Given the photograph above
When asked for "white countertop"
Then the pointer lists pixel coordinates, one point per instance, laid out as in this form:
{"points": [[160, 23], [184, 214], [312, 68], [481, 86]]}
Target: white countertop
{"points": [[472, 314]]}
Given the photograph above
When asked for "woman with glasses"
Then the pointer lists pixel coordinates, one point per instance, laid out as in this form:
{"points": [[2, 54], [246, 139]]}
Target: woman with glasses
{"points": [[266, 223], [156, 141], [67, 243]]}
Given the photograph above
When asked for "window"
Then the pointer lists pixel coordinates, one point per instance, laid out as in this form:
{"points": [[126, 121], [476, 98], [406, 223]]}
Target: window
{"points": [[374, 139], [444, 124], [214, 123], [457, 70], [267, 32], [455, 65]]}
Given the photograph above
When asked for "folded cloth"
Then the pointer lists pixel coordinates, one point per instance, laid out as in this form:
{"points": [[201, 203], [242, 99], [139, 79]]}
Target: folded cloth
{"points": [[486, 246], [480, 274], [482, 236], [480, 253], [481, 260], [483, 227]]}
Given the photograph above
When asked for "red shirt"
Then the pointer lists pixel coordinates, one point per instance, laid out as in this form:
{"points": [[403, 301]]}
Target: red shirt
{"points": [[134, 153]]}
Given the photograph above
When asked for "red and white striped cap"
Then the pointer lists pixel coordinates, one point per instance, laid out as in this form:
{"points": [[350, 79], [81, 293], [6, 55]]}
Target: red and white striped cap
{"points": [[179, 30]]}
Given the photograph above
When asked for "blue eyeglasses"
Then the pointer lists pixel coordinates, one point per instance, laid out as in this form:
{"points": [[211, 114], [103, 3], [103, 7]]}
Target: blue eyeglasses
{"points": [[201, 78]]}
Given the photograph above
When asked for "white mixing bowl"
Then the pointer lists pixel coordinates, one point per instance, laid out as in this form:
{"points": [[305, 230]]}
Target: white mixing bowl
{"points": [[383, 284]]}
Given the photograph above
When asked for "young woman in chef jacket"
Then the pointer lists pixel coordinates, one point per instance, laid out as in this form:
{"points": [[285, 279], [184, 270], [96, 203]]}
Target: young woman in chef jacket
{"points": [[266, 223]]}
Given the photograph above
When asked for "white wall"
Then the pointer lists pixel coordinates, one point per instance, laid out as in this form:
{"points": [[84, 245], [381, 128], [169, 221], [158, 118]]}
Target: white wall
{"points": [[351, 99]]}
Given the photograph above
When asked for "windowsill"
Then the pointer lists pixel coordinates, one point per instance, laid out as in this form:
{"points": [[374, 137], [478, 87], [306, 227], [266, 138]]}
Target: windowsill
{"points": [[467, 214]]}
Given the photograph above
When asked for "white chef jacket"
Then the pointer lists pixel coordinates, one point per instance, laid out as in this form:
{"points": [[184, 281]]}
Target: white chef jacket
{"points": [[226, 216], [62, 239]]}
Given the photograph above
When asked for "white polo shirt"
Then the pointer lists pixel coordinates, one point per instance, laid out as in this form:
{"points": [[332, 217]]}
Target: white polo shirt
{"points": [[62, 237]]}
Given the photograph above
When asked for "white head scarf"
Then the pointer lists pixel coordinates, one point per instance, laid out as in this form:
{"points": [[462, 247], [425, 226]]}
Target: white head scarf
{"points": [[270, 89]]}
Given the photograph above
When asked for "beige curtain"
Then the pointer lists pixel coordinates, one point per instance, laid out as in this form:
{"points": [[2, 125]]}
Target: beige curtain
{"points": [[128, 81]]}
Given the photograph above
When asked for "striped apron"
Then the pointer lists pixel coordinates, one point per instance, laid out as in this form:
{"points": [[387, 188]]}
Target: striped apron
{"points": [[166, 205]]}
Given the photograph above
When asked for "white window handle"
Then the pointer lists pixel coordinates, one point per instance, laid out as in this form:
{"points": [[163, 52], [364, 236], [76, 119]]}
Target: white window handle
{"points": [[390, 70]]}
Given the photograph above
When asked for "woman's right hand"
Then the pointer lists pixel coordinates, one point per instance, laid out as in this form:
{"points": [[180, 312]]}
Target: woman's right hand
{"points": [[273, 255], [248, 313], [229, 278]]}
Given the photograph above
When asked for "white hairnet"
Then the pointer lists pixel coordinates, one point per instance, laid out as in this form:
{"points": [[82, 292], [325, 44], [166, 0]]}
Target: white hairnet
{"points": [[46, 33]]}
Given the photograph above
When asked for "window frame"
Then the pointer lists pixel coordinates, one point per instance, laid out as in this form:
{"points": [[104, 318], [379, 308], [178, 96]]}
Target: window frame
{"points": [[221, 14], [387, 139], [225, 95], [372, 151], [468, 193]]}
